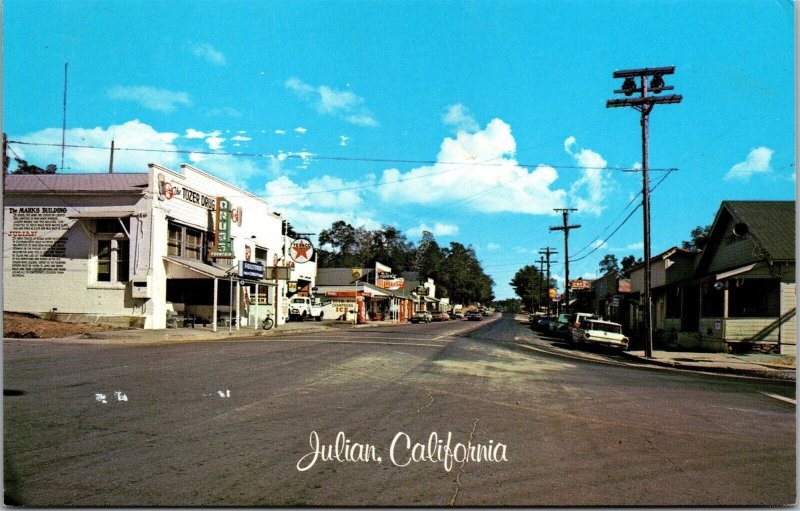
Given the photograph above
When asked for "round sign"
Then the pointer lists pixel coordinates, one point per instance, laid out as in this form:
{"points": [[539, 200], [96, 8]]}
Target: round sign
{"points": [[552, 293], [301, 250]]}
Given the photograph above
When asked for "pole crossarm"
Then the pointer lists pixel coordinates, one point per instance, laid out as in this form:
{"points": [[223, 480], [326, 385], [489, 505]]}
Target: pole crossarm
{"points": [[649, 100], [645, 71]]}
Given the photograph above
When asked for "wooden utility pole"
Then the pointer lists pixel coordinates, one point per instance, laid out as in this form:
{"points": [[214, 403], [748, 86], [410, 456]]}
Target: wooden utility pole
{"points": [[644, 104], [542, 286], [547, 251], [566, 228]]}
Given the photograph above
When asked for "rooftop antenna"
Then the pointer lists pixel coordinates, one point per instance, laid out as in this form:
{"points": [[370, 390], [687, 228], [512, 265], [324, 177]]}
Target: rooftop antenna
{"points": [[64, 123]]}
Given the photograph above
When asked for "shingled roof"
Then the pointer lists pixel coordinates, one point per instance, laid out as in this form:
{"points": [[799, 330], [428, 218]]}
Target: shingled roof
{"points": [[76, 183], [772, 223]]}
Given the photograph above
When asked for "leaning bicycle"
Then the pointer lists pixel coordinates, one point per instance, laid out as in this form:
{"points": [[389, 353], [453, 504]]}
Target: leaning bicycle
{"points": [[268, 322]]}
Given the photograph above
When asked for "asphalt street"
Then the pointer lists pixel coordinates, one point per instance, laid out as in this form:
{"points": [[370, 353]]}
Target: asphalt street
{"points": [[233, 422]]}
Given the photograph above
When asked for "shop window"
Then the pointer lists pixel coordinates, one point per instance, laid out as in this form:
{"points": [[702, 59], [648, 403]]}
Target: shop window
{"points": [[753, 298], [111, 226], [112, 260], [261, 255], [183, 241]]}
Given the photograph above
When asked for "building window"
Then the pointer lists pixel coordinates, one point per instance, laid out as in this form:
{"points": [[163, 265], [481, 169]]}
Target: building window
{"points": [[183, 241], [113, 249], [112, 260], [261, 255], [751, 298]]}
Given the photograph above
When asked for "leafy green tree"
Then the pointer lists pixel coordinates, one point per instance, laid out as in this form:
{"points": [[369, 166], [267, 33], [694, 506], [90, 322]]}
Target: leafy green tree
{"points": [[698, 238], [608, 264], [529, 284], [628, 262], [24, 168]]}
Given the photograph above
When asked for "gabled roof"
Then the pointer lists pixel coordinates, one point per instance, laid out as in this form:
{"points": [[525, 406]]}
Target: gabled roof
{"points": [[663, 255], [76, 183], [772, 223]]}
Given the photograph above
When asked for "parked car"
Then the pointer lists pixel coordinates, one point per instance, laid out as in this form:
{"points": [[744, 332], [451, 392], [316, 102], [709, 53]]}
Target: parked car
{"points": [[421, 317], [558, 325], [598, 331], [474, 315], [575, 320], [457, 315], [543, 325], [439, 316]]}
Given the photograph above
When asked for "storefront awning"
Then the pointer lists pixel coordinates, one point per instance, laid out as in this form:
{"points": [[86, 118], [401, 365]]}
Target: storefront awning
{"points": [[737, 271], [113, 212], [182, 268]]}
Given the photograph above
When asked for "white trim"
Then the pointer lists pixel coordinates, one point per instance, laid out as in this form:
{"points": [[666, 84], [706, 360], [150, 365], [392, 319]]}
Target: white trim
{"points": [[737, 271]]}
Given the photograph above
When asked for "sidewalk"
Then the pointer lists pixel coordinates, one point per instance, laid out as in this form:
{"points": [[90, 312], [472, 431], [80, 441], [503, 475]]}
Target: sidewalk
{"points": [[782, 367], [205, 333]]}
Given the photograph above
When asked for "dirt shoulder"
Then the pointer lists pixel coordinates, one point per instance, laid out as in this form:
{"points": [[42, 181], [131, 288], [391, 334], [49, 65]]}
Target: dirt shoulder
{"points": [[30, 327]]}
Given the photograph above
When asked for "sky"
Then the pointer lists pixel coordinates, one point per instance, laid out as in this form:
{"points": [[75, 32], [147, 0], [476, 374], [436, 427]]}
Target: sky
{"points": [[471, 119]]}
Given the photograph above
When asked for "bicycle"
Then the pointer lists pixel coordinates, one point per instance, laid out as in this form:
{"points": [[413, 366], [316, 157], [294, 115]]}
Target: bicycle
{"points": [[268, 322]]}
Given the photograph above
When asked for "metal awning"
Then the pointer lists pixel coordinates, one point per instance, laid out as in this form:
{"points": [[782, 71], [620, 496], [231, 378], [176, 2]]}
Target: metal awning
{"points": [[737, 271], [182, 268], [112, 212]]}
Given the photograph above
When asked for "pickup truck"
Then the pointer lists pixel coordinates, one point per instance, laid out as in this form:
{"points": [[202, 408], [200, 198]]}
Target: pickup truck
{"points": [[302, 308]]}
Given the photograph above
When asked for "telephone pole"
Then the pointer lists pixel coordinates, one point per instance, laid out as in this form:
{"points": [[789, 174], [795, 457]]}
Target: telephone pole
{"points": [[542, 287], [644, 104], [566, 228], [547, 251]]}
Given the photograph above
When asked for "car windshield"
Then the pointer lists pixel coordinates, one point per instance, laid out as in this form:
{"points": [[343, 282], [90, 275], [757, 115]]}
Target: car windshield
{"points": [[605, 327]]}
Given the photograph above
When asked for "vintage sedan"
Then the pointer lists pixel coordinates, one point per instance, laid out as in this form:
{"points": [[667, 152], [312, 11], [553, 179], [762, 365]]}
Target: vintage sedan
{"points": [[421, 317], [439, 316], [597, 331]]}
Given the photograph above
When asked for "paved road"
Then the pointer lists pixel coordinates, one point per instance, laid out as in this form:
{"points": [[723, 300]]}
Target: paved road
{"points": [[227, 423]]}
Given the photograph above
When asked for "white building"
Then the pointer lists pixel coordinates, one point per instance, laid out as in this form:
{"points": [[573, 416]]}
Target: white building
{"points": [[130, 249]]}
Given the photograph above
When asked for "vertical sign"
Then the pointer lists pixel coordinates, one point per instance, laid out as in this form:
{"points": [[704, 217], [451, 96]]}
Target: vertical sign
{"points": [[223, 248]]}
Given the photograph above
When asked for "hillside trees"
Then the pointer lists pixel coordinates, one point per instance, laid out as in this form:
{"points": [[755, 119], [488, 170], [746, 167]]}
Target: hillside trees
{"points": [[455, 269]]}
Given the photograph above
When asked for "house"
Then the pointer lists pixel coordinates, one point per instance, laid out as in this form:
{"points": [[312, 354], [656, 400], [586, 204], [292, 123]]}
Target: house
{"points": [[668, 271], [739, 293]]}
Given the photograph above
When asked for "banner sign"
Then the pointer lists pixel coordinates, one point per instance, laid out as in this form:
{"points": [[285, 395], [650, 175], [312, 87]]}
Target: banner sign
{"points": [[579, 284], [223, 248], [251, 270], [385, 280], [301, 250]]}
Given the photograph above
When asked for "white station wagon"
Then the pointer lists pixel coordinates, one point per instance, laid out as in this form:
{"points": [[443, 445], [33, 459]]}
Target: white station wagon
{"points": [[597, 331]]}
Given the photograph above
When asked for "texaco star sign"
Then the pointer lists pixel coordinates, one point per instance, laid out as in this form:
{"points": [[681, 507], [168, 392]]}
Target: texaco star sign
{"points": [[301, 250]]}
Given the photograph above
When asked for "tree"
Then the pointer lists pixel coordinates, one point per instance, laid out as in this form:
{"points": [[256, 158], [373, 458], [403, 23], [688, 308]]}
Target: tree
{"points": [[628, 262], [608, 264], [24, 168], [527, 284], [699, 237]]}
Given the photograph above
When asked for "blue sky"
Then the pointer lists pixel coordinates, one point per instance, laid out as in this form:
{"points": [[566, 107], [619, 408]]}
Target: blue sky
{"points": [[470, 119]]}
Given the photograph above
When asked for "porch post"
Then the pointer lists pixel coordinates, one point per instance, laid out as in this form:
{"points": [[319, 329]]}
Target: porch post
{"points": [[238, 305], [255, 323], [214, 308]]}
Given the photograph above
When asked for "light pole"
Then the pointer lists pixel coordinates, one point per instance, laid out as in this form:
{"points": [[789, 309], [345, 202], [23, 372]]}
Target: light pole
{"points": [[644, 104], [566, 228]]}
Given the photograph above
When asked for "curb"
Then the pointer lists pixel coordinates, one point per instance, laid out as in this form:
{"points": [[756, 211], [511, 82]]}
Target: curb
{"points": [[774, 374]]}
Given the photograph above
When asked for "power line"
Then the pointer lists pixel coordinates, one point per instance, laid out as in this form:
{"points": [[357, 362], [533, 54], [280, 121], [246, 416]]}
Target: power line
{"points": [[325, 158]]}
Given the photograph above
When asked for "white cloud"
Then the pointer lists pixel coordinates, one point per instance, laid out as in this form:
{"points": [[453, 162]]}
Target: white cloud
{"points": [[493, 246], [599, 244], [437, 229], [241, 138], [212, 139], [301, 130], [590, 190], [635, 246], [757, 162], [315, 194], [460, 118], [280, 132], [152, 98], [209, 54], [343, 140], [490, 181], [328, 101], [132, 134]]}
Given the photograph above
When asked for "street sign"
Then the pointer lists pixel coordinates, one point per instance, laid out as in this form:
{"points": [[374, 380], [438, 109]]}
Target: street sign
{"points": [[251, 270]]}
